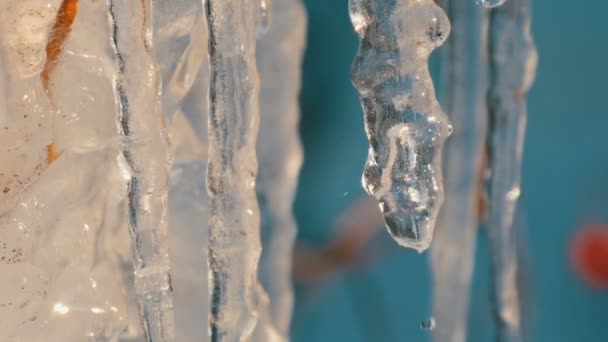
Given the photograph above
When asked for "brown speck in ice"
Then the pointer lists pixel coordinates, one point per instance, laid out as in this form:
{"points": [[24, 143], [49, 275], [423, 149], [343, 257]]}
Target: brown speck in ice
{"points": [[59, 33], [51, 153]]}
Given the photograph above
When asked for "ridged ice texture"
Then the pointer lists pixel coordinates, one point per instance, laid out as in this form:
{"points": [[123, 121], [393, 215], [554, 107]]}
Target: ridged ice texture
{"points": [[64, 251], [463, 88], [405, 125], [144, 160], [513, 61], [180, 47], [279, 54], [234, 226]]}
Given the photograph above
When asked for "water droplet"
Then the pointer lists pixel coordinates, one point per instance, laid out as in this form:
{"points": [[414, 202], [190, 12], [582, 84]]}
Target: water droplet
{"points": [[428, 324]]}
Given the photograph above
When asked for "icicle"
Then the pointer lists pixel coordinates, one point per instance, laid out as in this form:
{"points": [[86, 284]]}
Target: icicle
{"points": [[234, 234], [463, 88], [513, 62], [63, 222], [279, 53], [404, 122], [180, 47], [144, 160]]}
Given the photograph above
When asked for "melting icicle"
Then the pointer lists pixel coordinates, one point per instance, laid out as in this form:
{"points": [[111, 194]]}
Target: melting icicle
{"points": [[513, 62], [234, 234], [463, 89], [404, 122], [490, 3], [144, 159], [280, 53]]}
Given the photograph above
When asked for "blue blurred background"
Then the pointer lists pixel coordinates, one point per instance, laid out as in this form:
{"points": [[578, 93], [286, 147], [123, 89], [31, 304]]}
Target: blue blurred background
{"points": [[564, 185]]}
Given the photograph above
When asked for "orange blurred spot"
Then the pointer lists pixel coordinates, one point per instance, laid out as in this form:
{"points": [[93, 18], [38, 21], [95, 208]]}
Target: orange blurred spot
{"points": [[589, 255], [57, 36], [51, 153]]}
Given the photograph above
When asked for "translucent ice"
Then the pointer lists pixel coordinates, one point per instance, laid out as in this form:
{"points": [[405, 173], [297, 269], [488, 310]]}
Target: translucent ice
{"points": [[63, 224], [279, 55], [144, 159], [463, 88], [403, 120], [180, 47], [513, 60], [234, 234]]}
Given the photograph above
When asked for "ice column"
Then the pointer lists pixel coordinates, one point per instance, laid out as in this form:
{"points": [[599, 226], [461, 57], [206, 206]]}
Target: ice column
{"points": [[234, 234], [403, 120], [513, 62], [280, 51], [63, 227], [180, 46], [463, 89], [144, 160]]}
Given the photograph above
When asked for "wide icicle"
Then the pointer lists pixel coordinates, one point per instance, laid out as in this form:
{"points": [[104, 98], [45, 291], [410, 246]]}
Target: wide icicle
{"points": [[513, 61], [234, 234], [463, 89], [280, 51], [405, 125], [63, 223], [144, 160]]}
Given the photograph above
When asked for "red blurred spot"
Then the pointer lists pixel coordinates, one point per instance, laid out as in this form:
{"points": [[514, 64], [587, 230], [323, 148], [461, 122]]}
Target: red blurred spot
{"points": [[589, 254]]}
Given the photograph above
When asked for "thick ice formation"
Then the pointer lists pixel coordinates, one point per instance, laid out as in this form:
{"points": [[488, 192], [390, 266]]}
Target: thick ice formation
{"points": [[463, 89], [513, 60], [65, 269], [234, 234], [403, 120]]}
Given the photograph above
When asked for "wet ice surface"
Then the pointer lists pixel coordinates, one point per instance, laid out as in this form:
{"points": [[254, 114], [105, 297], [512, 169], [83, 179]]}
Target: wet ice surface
{"points": [[279, 58], [463, 88], [144, 159], [234, 234], [403, 120], [513, 61], [64, 252]]}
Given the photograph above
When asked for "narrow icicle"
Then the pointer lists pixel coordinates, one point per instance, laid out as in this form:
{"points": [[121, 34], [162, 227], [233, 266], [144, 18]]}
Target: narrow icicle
{"points": [[513, 62], [234, 234], [405, 125], [144, 160], [463, 89], [280, 53], [180, 46]]}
